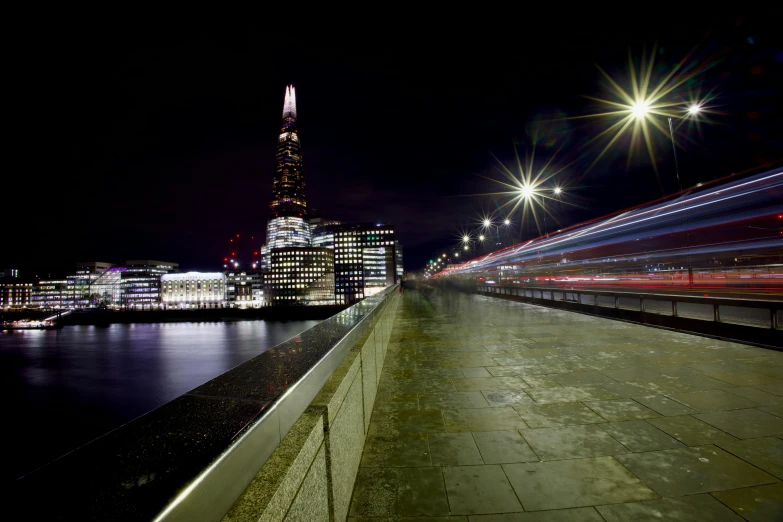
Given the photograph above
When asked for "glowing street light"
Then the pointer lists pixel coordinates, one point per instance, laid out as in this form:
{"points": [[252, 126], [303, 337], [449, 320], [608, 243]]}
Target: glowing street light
{"points": [[640, 109], [506, 221], [481, 237], [487, 223], [694, 109], [557, 191], [465, 248]]}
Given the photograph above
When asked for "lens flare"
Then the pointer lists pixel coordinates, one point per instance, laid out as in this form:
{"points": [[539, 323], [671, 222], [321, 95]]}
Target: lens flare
{"points": [[645, 105]]}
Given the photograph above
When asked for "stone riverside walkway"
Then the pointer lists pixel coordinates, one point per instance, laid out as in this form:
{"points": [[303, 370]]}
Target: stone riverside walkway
{"points": [[499, 411]]}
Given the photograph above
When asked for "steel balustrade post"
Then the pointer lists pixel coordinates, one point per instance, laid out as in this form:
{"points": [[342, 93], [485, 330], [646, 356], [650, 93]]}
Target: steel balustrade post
{"points": [[716, 312], [674, 309]]}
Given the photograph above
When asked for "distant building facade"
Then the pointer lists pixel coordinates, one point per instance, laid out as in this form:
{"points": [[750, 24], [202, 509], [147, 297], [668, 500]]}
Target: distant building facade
{"points": [[15, 293], [141, 283], [193, 290], [364, 260], [300, 276], [244, 289]]}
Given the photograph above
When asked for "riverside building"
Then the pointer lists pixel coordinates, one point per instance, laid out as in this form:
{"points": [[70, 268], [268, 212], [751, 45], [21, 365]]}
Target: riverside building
{"points": [[193, 290]]}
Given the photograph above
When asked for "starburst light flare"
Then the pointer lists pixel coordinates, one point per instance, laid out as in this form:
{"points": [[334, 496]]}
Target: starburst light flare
{"points": [[645, 105]]}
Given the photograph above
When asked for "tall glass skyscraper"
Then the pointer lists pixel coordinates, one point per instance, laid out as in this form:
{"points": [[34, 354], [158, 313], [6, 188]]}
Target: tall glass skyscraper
{"points": [[288, 225]]}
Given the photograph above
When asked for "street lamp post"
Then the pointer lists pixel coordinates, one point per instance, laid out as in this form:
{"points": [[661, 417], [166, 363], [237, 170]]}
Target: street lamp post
{"points": [[693, 110]]}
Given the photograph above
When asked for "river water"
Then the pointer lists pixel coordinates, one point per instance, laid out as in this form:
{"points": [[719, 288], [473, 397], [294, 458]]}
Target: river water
{"points": [[66, 387]]}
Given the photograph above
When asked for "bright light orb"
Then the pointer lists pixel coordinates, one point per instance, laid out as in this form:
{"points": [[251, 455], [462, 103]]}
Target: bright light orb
{"points": [[487, 222], [507, 222], [557, 191], [640, 109], [481, 237], [465, 247], [466, 239], [526, 191], [694, 109]]}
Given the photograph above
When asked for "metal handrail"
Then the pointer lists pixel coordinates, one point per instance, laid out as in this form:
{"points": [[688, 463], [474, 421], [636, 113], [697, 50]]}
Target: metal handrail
{"points": [[772, 305]]}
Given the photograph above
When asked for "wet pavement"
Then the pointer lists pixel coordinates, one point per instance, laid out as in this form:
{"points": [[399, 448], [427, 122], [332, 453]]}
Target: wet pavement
{"points": [[491, 410]]}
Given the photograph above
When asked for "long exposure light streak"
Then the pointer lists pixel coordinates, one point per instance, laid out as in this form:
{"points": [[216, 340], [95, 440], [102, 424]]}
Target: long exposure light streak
{"points": [[729, 224]]}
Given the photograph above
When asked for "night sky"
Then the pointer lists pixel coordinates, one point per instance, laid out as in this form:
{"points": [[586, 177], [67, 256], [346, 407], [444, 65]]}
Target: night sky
{"points": [[156, 142]]}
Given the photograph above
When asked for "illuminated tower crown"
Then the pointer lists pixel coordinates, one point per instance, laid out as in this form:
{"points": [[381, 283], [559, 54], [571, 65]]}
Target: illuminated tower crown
{"points": [[288, 188], [288, 225]]}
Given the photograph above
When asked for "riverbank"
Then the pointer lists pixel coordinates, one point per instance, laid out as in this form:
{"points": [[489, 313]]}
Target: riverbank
{"points": [[106, 317]]}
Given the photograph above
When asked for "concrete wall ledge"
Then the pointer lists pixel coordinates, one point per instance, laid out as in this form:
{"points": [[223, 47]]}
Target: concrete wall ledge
{"points": [[310, 475]]}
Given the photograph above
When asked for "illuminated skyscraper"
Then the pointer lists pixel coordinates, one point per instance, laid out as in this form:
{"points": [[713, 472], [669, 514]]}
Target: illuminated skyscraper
{"points": [[288, 225]]}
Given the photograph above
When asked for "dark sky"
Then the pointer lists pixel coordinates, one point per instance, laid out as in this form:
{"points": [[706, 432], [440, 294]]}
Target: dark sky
{"points": [[155, 142]]}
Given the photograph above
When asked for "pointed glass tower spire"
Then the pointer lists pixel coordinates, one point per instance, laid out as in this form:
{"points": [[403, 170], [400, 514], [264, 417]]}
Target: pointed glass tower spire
{"points": [[288, 225]]}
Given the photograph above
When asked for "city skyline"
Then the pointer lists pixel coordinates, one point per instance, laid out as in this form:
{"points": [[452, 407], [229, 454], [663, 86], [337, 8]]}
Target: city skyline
{"points": [[169, 162]]}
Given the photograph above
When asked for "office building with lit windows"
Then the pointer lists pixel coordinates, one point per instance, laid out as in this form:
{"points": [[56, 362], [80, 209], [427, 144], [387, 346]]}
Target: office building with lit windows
{"points": [[244, 289], [193, 290], [300, 276], [364, 261], [141, 283], [15, 293]]}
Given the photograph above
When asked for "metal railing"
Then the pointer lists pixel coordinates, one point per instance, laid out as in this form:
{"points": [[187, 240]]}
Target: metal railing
{"points": [[621, 300]]}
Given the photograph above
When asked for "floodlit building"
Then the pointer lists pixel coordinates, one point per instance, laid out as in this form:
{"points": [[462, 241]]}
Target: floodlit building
{"points": [[364, 260], [80, 283], [141, 283], [303, 276], [193, 290]]}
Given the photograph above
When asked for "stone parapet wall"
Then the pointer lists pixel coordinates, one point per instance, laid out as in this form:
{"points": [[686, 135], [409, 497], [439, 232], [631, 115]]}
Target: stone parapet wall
{"points": [[310, 476]]}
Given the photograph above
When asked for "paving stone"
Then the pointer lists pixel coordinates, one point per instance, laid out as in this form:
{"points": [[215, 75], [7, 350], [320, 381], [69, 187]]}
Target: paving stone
{"points": [[502, 447], [713, 400], [744, 424], [743, 378], [777, 411], [454, 449], [482, 419], [540, 381], [689, 471], [439, 385], [690, 431], [757, 396], [570, 394], [571, 442], [479, 489], [758, 504], [639, 435], [775, 389], [557, 414], [396, 401], [620, 410], [558, 515], [696, 508], [407, 421], [401, 451], [664, 405], [453, 400], [507, 398], [575, 483], [581, 378], [475, 372], [394, 492], [638, 373], [490, 383], [765, 453], [627, 389]]}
